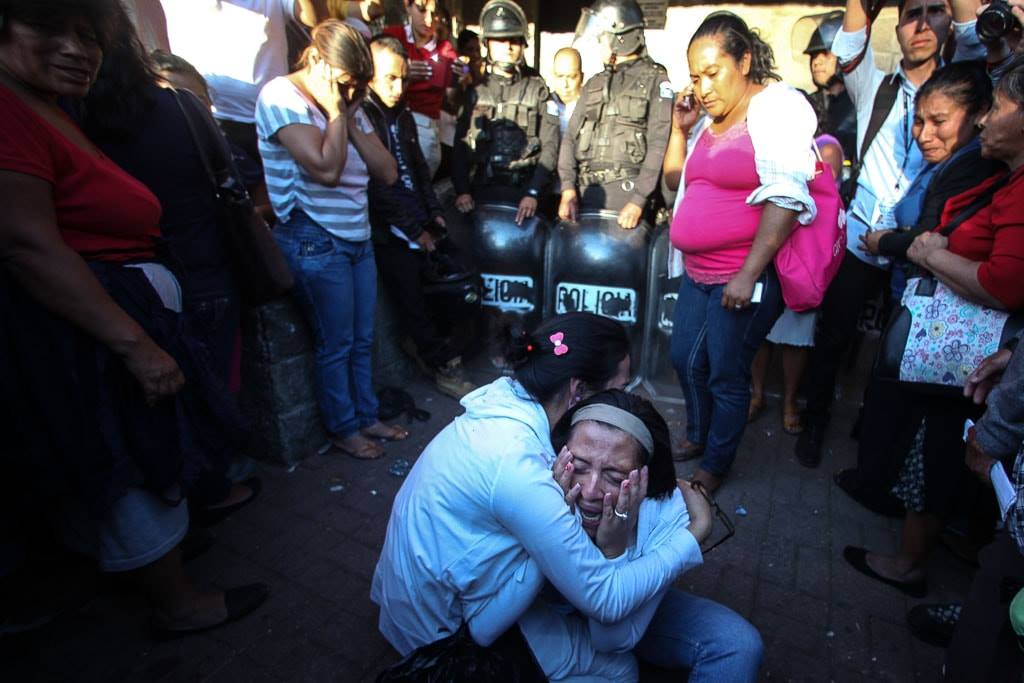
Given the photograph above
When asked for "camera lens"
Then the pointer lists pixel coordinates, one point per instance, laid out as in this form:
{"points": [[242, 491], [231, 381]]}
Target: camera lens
{"points": [[995, 22]]}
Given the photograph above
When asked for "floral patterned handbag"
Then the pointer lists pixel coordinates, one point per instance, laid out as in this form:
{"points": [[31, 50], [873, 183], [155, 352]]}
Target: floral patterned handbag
{"points": [[948, 336], [937, 338]]}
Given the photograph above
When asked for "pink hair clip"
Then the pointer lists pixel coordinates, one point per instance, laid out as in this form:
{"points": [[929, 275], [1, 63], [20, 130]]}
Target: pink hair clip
{"points": [[560, 348]]}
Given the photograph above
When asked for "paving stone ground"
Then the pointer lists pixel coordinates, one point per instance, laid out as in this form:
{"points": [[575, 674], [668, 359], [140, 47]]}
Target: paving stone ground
{"points": [[316, 545]]}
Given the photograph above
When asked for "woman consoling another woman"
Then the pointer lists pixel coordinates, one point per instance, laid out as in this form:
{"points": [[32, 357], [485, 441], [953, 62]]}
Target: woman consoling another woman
{"points": [[480, 524]]}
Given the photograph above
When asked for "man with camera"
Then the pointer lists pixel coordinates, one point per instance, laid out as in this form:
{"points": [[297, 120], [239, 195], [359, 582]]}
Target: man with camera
{"points": [[1000, 28]]}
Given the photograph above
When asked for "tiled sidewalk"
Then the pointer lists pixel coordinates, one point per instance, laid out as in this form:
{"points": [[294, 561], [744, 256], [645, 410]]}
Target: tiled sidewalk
{"points": [[316, 544]]}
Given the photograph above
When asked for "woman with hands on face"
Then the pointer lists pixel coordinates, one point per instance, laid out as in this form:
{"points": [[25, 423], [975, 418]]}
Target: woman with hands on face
{"points": [[319, 152], [479, 524], [617, 475]]}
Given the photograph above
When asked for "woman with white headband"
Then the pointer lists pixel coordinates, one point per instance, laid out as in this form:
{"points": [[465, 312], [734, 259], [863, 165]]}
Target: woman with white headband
{"points": [[480, 524], [600, 441]]}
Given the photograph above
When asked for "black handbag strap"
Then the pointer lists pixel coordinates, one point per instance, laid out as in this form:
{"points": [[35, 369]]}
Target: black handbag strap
{"points": [[213, 174], [980, 202], [885, 100]]}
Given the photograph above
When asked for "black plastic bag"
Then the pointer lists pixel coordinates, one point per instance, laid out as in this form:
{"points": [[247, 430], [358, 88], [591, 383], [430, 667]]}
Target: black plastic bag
{"points": [[394, 402], [459, 659]]}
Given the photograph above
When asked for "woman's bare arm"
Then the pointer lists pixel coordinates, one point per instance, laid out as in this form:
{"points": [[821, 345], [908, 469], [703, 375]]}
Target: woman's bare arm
{"points": [[961, 275], [33, 252], [322, 154]]}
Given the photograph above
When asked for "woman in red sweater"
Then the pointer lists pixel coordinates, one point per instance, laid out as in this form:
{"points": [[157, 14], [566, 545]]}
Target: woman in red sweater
{"points": [[110, 404], [982, 260]]}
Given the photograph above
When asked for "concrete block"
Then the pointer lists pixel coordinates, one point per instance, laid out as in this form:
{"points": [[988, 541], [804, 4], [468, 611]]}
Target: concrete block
{"points": [[275, 330], [286, 437]]}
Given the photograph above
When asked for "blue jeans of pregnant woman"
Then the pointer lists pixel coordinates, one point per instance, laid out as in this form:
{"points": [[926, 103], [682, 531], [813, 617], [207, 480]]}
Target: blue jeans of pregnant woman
{"points": [[712, 350], [336, 287]]}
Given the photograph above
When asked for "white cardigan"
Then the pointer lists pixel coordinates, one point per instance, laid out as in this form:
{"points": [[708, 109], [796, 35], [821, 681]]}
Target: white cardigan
{"points": [[781, 123]]}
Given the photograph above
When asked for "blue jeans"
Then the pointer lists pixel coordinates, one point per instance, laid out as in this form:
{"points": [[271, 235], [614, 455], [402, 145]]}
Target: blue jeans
{"points": [[709, 639], [712, 349], [336, 287]]}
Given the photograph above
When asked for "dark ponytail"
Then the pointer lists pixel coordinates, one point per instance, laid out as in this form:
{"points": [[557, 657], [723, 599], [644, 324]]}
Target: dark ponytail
{"points": [[966, 83], [595, 348], [661, 471], [737, 39]]}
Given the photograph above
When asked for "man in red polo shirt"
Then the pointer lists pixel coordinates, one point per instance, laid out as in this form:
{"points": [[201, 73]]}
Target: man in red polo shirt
{"points": [[430, 74]]}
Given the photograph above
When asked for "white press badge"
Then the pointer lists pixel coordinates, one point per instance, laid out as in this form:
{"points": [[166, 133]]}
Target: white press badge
{"points": [[883, 217]]}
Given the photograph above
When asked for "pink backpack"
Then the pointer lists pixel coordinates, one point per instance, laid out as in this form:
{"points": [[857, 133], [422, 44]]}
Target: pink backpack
{"points": [[810, 258]]}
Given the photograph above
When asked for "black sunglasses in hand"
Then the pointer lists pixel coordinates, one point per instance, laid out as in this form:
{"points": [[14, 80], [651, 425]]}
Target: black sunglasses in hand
{"points": [[719, 515]]}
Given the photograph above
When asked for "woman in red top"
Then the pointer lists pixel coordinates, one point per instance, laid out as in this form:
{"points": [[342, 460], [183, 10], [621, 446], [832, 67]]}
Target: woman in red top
{"points": [[983, 262], [94, 367]]}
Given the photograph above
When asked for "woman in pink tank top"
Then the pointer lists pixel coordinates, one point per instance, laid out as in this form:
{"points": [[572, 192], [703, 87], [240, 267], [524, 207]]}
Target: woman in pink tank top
{"points": [[745, 180]]}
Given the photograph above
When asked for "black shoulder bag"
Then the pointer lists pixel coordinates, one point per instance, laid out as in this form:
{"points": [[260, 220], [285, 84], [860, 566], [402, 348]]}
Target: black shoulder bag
{"points": [[259, 266]]}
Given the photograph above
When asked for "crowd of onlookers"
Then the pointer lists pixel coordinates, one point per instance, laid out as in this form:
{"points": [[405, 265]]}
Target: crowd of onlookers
{"points": [[121, 305]]}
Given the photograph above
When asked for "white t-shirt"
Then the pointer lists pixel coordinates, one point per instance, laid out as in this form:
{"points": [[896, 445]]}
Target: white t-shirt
{"points": [[341, 210], [238, 46]]}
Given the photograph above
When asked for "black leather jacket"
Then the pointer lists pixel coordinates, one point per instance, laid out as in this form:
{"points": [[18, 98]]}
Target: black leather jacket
{"points": [[409, 210]]}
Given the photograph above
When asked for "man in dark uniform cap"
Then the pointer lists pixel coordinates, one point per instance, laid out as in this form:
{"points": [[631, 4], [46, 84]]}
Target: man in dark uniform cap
{"points": [[612, 152], [506, 141]]}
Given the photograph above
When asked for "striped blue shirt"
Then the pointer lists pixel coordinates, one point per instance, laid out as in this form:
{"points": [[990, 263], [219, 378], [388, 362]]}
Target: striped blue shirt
{"points": [[341, 210]]}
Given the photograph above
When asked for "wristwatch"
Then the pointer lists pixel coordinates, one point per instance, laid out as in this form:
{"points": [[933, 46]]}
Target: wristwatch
{"points": [[533, 192]]}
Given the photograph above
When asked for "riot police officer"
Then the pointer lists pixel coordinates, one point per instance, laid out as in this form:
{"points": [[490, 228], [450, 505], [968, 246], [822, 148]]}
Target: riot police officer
{"points": [[611, 154], [836, 114], [506, 141]]}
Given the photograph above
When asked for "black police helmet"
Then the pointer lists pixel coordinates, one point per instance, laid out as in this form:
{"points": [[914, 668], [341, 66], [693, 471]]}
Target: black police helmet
{"points": [[503, 19], [821, 39], [623, 19], [621, 15]]}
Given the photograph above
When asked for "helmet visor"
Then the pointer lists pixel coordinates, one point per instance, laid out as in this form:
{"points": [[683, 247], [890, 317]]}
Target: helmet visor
{"points": [[591, 26]]}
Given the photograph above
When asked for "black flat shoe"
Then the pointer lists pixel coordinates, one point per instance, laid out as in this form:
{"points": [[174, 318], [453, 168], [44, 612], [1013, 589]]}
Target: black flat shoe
{"points": [[238, 602], [857, 557], [887, 505], [207, 517]]}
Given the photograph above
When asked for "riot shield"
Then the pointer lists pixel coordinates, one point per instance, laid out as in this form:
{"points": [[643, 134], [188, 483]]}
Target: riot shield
{"points": [[659, 376], [510, 259], [596, 266]]}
